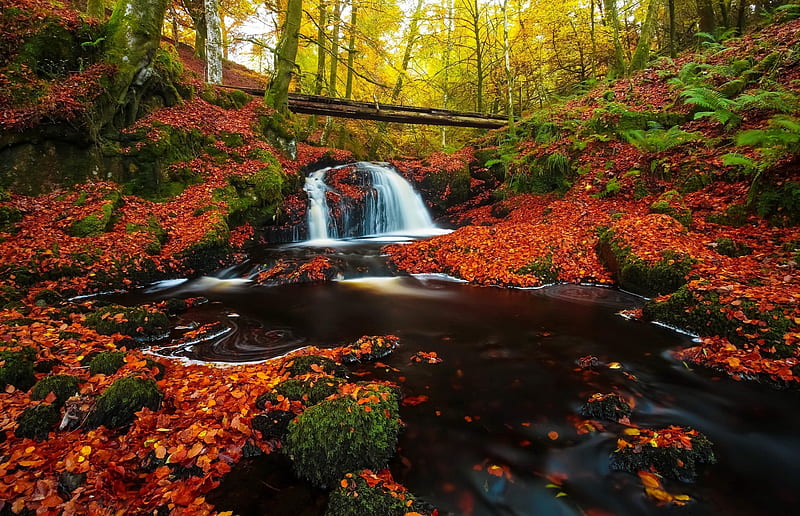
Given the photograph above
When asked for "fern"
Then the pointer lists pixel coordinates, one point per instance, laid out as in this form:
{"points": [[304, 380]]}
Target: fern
{"points": [[717, 106], [783, 102], [657, 139]]}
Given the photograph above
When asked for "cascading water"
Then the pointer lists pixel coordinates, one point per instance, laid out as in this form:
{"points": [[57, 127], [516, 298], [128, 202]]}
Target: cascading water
{"points": [[390, 205]]}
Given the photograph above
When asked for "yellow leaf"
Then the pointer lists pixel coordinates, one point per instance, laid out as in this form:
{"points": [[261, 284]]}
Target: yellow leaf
{"points": [[86, 450], [631, 431], [615, 365]]}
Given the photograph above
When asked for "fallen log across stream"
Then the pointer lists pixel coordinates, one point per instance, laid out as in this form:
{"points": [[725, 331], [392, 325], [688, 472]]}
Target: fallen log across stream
{"points": [[327, 106]]}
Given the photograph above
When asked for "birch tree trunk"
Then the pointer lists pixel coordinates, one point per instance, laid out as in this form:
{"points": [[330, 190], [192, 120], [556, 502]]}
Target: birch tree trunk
{"points": [[507, 67], [213, 43]]}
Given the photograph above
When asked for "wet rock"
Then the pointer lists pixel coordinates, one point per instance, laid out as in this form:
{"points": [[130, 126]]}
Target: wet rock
{"points": [[68, 482], [370, 348], [610, 407], [673, 452], [62, 385], [289, 272], [273, 424], [322, 453], [37, 421], [117, 406]]}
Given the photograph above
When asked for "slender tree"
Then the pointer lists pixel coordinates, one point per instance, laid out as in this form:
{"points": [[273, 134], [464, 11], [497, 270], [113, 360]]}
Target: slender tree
{"points": [[617, 66], [213, 43], [277, 94], [322, 20], [351, 50], [507, 68], [705, 10], [642, 53]]}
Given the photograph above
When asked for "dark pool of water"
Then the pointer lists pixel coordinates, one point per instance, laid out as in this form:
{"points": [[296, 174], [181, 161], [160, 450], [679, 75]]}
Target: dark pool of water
{"points": [[509, 378]]}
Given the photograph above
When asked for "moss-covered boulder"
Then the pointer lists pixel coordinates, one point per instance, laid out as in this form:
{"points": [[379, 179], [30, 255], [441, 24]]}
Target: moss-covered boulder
{"points": [[638, 275], [363, 493], [355, 431], [117, 406], [99, 221], [145, 324], [306, 364], [37, 421], [730, 247], [671, 203], [16, 368], [62, 385], [674, 452], [308, 390], [610, 407], [107, 362]]}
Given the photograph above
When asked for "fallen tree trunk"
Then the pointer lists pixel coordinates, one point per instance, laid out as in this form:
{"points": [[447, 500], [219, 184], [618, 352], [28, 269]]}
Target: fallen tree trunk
{"points": [[316, 105]]}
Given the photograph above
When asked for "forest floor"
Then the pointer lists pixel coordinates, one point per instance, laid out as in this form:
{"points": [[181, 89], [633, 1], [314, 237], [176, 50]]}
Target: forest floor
{"points": [[675, 224]]}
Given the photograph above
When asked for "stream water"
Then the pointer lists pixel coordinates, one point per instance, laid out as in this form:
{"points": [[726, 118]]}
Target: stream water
{"points": [[508, 380]]}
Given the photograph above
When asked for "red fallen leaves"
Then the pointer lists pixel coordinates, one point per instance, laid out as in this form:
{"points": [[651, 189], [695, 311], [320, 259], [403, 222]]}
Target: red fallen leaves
{"points": [[655, 490], [672, 436], [428, 357], [719, 353], [413, 401]]}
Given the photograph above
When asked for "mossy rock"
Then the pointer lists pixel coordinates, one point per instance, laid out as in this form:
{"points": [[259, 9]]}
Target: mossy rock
{"points": [[143, 324], [255, 197], [355, 497], [308, 390], [118, 405], [542, 268], [107, 362], [671, 203], [706, 316], [62, 385], [273, 424], [446, 188], [305, 364], [9, 215], [94, 224], [69, 482], [37, 421], [670, 461], [226, 99], [610, 407], [341, 435], [732, 248], [735, 215], [637, 276], [47, 297], [370, 347], [17, 368]]}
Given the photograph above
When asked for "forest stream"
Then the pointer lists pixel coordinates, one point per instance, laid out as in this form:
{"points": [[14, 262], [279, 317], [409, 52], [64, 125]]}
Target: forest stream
{"points": [[494, 428]]}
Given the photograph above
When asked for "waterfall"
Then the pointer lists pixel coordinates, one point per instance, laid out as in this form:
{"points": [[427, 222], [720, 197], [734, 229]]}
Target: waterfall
{"points": [[390, 205]]}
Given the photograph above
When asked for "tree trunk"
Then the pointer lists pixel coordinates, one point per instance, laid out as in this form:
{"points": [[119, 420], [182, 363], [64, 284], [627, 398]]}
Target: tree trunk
{"points": [[96, 9], [277, 95], [411, 38], [593, 38], [334, 65], [617, 67], [134, 33], [741, 16], [705, 9], [351, 51], [448, 49], [673, 30], [213, 43], [475, 22], [724, 13], [507, 67], [319, 81], [642, 53]]}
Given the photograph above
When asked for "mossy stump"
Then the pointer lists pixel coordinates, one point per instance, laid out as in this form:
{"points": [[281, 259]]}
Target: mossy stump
{"points": [[118, 405], [349, 433]]}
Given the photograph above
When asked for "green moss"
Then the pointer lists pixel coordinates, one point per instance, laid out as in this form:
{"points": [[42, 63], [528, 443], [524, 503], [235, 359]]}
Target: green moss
{"points": [[9, 215], [118, 405], [254, 197], [671, 203], [305, 364], [735, 215], [670, 461], [226, 99], [634, 274], [610, 407], [17, 368], [62, 385], [779, 203], [143, 324], [445, 188], [360, 499], [707, 316], [94, 224], [542, 268], [541, 174], [36, 422], [310, 390], [341, 434], [47, 297], [158, 234], [107, 362], [732, 248]]}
